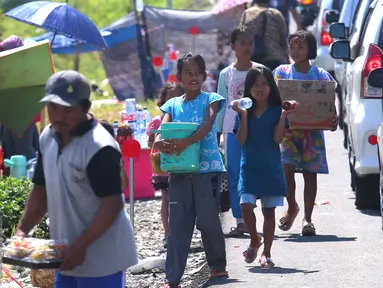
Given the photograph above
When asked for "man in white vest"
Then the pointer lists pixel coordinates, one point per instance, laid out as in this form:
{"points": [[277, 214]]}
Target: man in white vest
{"points": [[77, 181]]}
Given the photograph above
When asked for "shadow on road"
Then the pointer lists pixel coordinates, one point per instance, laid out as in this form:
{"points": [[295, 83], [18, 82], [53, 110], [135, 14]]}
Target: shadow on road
{"points": [[221, 281], [318, 238], [371, 212], [281, 270]]}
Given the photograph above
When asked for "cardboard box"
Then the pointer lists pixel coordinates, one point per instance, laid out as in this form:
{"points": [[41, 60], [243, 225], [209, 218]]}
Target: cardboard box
{"points": [[316, 99]]}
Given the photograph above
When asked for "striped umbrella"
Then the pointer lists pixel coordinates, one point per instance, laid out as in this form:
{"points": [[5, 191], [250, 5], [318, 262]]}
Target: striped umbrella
{"points": [[224, 5]]}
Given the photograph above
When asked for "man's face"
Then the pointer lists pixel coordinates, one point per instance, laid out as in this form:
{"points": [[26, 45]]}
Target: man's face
{"points": [[65, 119]]}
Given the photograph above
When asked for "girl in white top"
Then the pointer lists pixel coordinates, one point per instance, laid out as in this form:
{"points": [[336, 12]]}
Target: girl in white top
{"points": [[231, 86]]}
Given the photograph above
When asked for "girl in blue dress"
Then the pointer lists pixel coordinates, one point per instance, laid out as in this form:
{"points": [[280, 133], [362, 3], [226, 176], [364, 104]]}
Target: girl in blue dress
{"points": [[260, 129]]}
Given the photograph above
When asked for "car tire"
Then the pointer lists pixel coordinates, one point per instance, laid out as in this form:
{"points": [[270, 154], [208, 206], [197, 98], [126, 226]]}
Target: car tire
{"points": [[345, 136], [341, 112], [367, 194], [351, 166]]}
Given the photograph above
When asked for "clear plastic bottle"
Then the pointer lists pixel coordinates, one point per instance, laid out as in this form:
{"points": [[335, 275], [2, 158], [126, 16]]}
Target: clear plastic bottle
{"points": [[148, 117], [141, 121], [133, 125], [115, 127], [243, 103]]}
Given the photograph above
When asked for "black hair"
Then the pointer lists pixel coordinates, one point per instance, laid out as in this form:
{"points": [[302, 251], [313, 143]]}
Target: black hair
{"points": [[309, 38], [163, 94], [251, 78], [198, 59], [267, 2], [108, 127], [238, 31]]}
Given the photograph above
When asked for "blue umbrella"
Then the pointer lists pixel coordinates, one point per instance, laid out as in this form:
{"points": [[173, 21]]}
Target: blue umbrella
{"points": [[59, 18]]}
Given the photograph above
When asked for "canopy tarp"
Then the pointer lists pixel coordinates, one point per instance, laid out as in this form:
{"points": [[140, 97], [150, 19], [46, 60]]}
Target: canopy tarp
{"points": [[119, 31], [173, 26]]}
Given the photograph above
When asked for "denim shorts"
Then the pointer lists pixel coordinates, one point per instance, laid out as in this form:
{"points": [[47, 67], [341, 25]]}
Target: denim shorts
{"points": [[266, 201], [111, 281]]}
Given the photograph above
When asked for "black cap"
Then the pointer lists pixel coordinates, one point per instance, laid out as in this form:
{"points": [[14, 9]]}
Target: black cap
{"points": [[66, 88]]}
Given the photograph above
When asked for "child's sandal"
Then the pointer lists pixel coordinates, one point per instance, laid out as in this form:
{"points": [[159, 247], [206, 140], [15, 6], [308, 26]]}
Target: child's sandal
{"points": [[266, 262], [218, 273], [250, 254]]}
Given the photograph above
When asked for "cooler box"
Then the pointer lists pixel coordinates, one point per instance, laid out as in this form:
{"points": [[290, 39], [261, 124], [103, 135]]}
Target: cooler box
{"points": [[142, 176]]}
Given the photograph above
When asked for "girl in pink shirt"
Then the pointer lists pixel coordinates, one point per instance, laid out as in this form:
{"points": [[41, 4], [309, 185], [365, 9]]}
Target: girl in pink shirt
{"points": [[160, 182]]}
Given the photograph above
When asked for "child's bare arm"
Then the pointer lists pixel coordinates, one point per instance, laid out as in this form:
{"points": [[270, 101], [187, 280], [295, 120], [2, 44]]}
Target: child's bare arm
{"points": [[207, 125], [124, 177], [151, 140], [159, 143], [242, 130], [280, 130]]}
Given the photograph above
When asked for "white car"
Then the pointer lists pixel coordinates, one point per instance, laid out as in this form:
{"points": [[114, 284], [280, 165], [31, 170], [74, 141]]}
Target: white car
{"points": [[320, 29], [346, 17], [363, 107], [352, 31], [375, 79]]}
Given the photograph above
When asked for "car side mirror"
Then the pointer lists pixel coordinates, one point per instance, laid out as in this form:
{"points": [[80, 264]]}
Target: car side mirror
{"points": [[375, 78], [331, 16], [338, 31], [340, 49]]}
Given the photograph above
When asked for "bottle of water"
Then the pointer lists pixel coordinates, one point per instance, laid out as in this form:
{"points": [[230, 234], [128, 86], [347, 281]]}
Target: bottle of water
{"points": [[115, 127], [141, 121], [133, 125], [243, 103], [148, 117]]}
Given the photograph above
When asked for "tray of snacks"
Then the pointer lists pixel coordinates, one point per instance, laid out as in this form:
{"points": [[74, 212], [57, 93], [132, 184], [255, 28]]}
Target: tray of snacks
{"points": [[34, 253]]}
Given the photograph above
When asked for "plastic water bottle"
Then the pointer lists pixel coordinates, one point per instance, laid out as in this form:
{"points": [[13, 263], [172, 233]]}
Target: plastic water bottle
{"points": [[115, 127], [133, 125], [243, 103], [148, 117], [130, 105], [141, 126]]}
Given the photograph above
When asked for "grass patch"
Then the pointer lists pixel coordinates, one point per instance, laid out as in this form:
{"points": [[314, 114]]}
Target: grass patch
{"points": [[111, 112]]}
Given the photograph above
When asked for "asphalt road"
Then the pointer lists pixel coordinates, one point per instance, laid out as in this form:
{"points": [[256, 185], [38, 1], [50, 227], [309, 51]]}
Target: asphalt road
{"points": [[346, 253]]}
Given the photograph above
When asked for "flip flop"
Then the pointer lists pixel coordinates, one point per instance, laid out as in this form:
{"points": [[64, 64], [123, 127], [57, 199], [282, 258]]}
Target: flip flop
{"points": [[250, 254], [218, 273], [266, 262], [235, 232], [287, 220], [308, 229]]}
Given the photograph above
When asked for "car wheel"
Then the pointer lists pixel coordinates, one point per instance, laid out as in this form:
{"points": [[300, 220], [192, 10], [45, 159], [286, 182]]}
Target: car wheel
{"points": [[367, 194], [341, 112], [351, 166], [345, 136]]}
